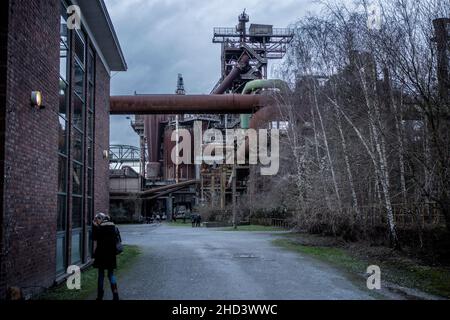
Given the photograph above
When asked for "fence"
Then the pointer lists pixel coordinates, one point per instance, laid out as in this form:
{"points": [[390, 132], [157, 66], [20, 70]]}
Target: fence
{"points": [[279, 223], [423, 215]]}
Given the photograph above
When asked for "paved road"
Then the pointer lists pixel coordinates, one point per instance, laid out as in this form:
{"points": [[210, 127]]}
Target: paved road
{"points": [[199, 263]]}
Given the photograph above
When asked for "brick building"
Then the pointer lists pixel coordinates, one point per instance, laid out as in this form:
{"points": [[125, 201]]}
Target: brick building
{"points": [[53, 167]]}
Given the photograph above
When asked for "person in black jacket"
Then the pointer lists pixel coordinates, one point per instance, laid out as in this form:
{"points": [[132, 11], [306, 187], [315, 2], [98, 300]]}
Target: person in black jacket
{"points": [[104, 237], [198, 221]]}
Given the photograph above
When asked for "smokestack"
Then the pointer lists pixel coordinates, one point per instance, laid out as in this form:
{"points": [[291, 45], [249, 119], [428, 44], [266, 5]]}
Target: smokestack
{"points": [[442, 30]]}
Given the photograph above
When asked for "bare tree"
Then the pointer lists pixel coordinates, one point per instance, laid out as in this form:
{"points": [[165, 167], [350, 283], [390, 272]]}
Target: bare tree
{"points": [[369, 117]]}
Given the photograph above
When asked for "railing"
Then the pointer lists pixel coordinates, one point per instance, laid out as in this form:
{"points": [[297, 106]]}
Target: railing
{"points": [[423, 215], [279, 223], [231, 32], [201, 117], [124, 153]]}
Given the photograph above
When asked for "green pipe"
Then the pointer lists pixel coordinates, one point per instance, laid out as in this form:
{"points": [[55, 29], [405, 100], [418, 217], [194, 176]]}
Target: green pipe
{"points": [[266, 84], [245, 121], [257, 85]]}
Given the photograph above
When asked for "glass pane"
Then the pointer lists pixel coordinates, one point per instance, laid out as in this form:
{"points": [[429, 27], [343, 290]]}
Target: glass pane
{"points": [[77, 145], [90, 125], [62, 213], [62, 140], [77, 212], [76, 247], [63, 54], [60, 253], [63, 94], [90, 216], [90, 184], [78, 113], [91, 97], [62, 176], [91, 67], [90, 242], [90, 154], [63, 23], [77, 181], [79, 80], [79, 46]]}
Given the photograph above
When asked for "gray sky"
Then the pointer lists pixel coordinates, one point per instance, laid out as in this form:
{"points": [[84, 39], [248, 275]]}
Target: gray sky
{"points": [[161, 38]]}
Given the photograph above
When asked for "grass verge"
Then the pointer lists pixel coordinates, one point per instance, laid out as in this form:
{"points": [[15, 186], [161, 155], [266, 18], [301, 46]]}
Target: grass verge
{"points": [[89, 279], [252, 228], [180, 223], [402, 272]]}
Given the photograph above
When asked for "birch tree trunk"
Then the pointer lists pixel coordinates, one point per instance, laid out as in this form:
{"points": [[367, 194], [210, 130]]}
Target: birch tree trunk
{"points": [[355, 205], [318, 158], [327, 148], [374, 117]]}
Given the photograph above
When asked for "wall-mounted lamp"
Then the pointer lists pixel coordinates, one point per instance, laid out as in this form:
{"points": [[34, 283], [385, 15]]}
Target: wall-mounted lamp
{"points": [[36, 99], [105, 154]]}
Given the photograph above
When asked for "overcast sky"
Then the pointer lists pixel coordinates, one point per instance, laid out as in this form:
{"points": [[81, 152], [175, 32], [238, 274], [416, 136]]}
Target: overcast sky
{"points": [[161, 38]]}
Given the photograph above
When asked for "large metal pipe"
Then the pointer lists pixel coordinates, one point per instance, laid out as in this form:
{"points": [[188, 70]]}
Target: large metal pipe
{"points": [[160, 191], [151, 129], [233, 75], [269, 111], [198, 104], [267, 84], [262, 117]]}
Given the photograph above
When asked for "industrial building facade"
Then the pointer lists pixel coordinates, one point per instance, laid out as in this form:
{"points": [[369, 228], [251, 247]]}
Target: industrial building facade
{"points": [[53, 158], [177, 189]]}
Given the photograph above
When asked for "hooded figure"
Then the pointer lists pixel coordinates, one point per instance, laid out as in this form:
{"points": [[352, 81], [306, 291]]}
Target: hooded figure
{"points": [[104, 235]]}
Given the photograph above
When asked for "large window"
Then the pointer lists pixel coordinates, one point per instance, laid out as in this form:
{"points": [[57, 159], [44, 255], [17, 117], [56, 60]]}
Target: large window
{"points": [[75, 146], [90, 144], [64, 76], [77, 143]]}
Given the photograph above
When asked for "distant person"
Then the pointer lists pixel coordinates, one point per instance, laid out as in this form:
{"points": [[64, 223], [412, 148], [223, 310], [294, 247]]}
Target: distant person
{"points": [[174, 218], [104, 235], [198, 220], [193, 220], [158, 218]]}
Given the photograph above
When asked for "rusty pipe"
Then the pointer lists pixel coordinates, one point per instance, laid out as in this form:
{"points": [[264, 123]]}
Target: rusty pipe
{"points": [[264, 116], [259, 120], [233, 75], [151, 128], [169, 187], [197, 104]]}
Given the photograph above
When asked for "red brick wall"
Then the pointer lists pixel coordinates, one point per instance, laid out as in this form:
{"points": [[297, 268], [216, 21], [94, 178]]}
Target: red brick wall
{"points": [[101, 170], [29, 212], [4, 12], [31, 140]]}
